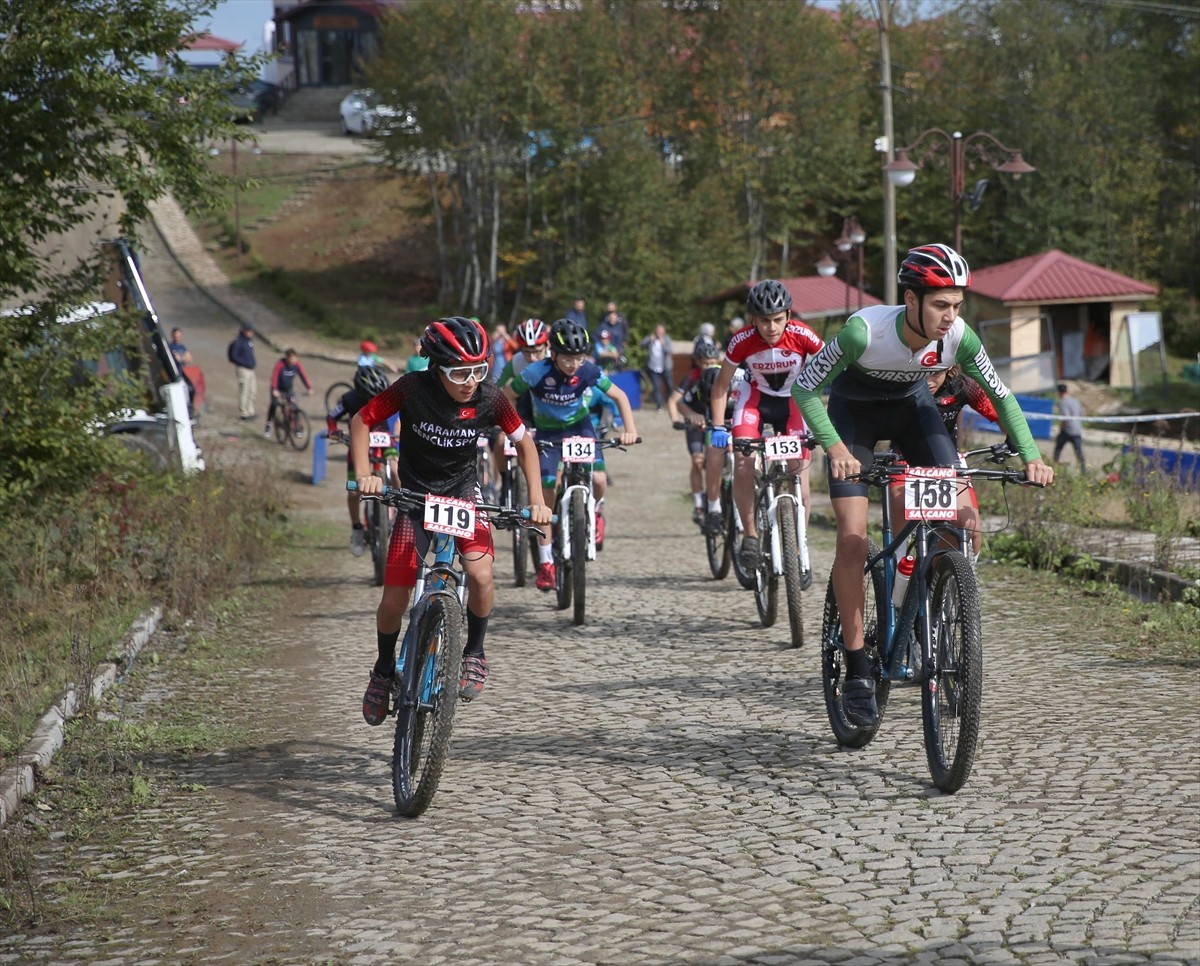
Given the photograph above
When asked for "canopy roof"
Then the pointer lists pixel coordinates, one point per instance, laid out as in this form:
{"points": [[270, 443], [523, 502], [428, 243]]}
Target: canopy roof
{"points": [[1055, 276]]}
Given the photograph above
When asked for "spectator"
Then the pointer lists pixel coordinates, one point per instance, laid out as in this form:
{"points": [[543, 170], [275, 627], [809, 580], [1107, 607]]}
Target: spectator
{"points": [[735, 324], [660, 359], [604, 349], [369, 356], [576, 312], [241, 354], [178, 349], [1070, 430], [416, 362], [617, 325], [500, 351]]}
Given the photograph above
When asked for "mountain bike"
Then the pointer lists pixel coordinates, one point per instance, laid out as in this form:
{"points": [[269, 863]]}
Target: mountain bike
{"points": [[718, 544], [334, 394], [291, 422], [574, 542], [376, 516], [934, 637], [514, 491], [782, 528], [429, 659]]}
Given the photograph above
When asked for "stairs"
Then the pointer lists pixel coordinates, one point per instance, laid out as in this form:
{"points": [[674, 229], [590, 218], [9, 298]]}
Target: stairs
{"points": [[313, 105]]}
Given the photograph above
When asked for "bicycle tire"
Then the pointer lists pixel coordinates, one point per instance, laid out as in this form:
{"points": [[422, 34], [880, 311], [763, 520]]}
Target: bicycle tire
{"points": [[300, 433], [952, 697], [562, 565], [333, 396], [734, 538], [279, 420], [791, 570], [579, 548], [766, 581], [517, 494], [716, 545], [424, 722], [381, 535], [832, 665]]}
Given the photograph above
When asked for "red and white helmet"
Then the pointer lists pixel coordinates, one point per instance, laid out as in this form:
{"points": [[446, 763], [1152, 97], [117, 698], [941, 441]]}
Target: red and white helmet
{"points": [[533, 332], [934, 266]]}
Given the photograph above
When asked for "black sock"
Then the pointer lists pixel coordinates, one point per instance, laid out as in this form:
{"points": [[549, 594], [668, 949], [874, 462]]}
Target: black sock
{"points": [[476, 628], [358, 526], [385, 664], [858, 665]]}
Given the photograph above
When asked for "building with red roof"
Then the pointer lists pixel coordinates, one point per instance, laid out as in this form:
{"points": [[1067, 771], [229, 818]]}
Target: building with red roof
{"points": [[1052, 316]]}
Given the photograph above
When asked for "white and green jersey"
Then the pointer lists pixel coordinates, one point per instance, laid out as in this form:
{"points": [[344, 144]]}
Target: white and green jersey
{"points": [[869, 361]]}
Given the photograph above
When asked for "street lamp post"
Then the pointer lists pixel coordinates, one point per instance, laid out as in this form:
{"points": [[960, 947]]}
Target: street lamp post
{"points": [[852, 237], [902, 171]]}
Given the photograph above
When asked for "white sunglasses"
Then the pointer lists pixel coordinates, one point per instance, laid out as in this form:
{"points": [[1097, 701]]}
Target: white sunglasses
{"points": [[461, 375]]}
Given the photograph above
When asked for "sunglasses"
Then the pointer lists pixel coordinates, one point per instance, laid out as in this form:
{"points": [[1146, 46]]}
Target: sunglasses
{"points": [[461, 375]]}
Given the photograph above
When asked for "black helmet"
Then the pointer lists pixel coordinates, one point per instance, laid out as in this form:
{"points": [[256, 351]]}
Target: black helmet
{"points": [[768, 297], [569, 337], [370, 381], [704, 349], [455, 341], [933, 266]]}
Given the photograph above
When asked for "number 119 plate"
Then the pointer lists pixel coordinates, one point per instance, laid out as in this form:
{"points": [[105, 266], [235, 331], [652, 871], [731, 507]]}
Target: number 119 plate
{"points": [[445, 514]]}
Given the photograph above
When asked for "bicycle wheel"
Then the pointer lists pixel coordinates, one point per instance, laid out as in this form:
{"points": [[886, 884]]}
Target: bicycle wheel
{"points": [[791, 570], [952, 697], [717, 546], [516, 493], [733, 537], [562, 565], [333, 395], [832, 663], [381, 535], [579, 546], [425, 711], [766, 581], [301, 432]]}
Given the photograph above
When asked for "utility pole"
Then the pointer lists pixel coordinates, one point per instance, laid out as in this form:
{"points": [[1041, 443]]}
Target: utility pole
{"points": [[887, 144]]}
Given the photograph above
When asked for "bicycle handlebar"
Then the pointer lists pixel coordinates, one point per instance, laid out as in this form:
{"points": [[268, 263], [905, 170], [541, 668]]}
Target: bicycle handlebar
{"points": [[402, 499], [751, 444], [544, 445], [889, 465]]}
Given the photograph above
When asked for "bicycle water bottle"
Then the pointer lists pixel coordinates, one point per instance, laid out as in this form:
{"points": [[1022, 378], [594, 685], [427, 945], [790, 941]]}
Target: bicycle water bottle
{"points": [[904, 570]]}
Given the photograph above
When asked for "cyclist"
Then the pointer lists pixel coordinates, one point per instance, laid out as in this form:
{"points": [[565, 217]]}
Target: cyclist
{"points": [[688, 403], [368, 383], [368, 355], [283, 377], [876, 367], [773, 348], [557, 388], [442, 411], [531, 343]]}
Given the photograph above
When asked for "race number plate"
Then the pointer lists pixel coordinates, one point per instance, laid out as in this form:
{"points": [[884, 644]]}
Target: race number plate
{"points": [[445, 514], [381, 439], [579, 449], [783, 448], [930, 493]]}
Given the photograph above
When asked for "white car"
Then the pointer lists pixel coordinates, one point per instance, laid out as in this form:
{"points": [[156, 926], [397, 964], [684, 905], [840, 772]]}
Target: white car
{"points": [[362, 112]]}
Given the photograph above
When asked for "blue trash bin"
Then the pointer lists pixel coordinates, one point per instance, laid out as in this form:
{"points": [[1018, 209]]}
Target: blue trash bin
{"points": [[628, 381]]}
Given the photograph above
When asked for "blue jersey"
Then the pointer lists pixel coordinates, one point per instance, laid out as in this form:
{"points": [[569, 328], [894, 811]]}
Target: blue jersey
{"points": [[559, 401]]}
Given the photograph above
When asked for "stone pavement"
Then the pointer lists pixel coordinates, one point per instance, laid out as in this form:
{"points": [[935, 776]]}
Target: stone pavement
{"points": [[658, 786]]}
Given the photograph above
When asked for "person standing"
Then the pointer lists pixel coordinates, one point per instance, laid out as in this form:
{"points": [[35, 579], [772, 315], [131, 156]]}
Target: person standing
{"points": [[576, 313], [241, 354], [660, 357], [617, 325], [1070, 430]]}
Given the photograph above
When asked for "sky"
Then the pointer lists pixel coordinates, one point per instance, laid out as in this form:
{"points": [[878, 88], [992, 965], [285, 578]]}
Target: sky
{"points": [[239, 20]]}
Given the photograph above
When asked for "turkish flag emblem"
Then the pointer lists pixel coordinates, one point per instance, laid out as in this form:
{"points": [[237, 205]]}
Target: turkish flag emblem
{"points": [[468, 413], [930, 359]]}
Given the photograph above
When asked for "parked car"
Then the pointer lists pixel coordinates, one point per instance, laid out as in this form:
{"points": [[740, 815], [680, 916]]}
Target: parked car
{"points": [[363, 112], [254, 101]]}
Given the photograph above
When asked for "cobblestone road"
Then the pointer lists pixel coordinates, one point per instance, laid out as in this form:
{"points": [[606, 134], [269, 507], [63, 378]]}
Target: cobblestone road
{"points": [[661, 786]]}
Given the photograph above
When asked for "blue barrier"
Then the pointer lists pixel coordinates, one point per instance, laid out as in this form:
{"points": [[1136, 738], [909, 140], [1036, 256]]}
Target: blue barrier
{"points": [[319, 445], [1184, 468], [629, 382], [1040, 428]]}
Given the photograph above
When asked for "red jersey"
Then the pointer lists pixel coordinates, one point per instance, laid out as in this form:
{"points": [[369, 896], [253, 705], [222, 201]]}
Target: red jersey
{"points": [[773, 368]]}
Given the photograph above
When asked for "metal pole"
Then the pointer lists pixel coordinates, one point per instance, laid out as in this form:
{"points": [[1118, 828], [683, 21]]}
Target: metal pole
{"points": [[237, 208], [957, 178], [860, 276], [889, 190]]}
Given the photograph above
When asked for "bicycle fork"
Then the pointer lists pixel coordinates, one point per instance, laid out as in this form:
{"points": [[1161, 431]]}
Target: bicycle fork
{"points": [[565, 535], [791, 503]]}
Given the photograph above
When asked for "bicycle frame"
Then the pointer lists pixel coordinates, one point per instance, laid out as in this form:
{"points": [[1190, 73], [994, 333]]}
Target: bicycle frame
{"points": [[770, 480], [577, 478], [442, 577]]}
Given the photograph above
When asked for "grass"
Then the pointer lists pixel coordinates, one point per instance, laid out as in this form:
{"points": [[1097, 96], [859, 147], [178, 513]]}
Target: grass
{"points": [[329, 243]]}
